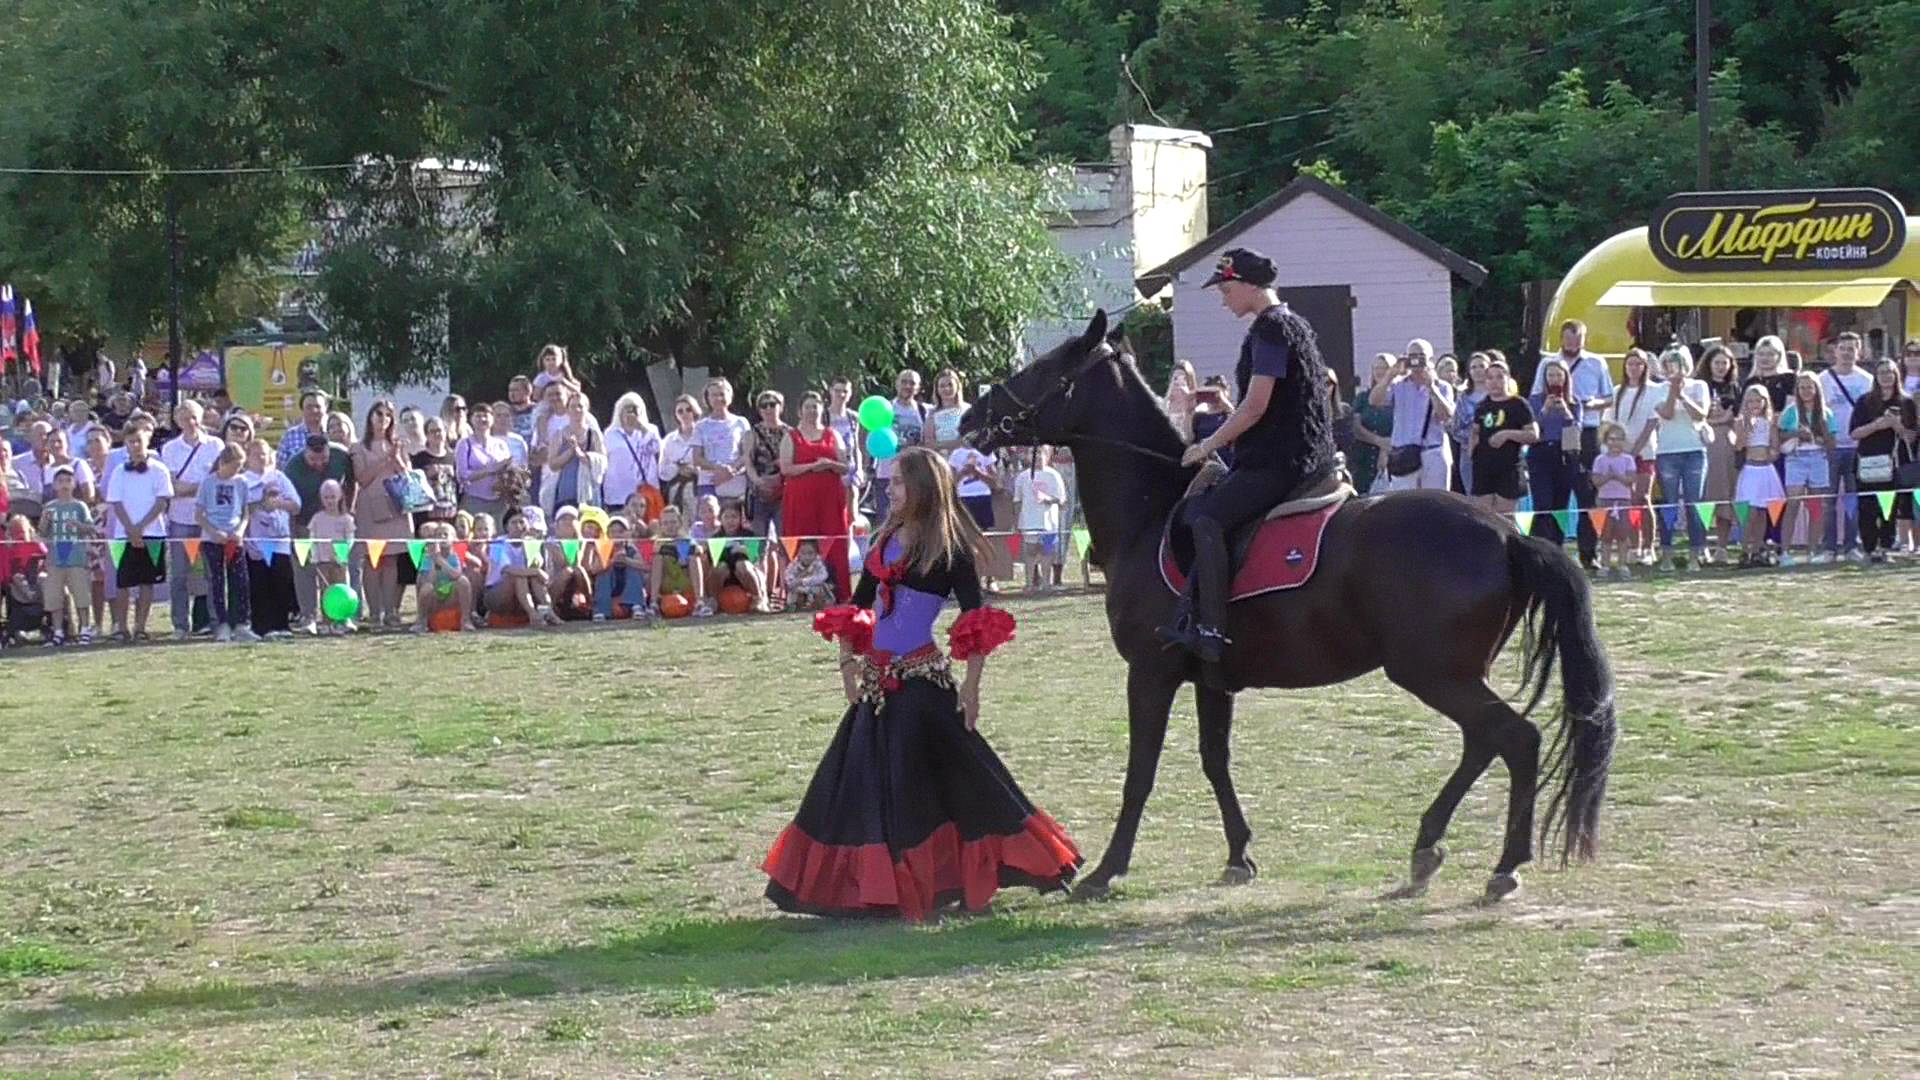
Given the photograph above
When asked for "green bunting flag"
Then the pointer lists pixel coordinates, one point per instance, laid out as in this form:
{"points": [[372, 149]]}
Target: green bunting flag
{"points": [[716, 547], [116, 550], [1705, 510], [154, 548], [531, 548], [571, 549], [417, 551], [342, 550], [1565, 518], [1524, 519], [1082, 540], [302, 551], [754, 548], [1886, 503], [1740, 510]]}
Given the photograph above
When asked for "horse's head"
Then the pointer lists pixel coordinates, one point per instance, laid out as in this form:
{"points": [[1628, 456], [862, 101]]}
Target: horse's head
{"points": [[1037, 404]]}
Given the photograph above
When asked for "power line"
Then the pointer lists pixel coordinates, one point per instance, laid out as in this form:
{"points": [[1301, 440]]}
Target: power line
{"points": [[1270, 123], [226, 170], [1126, 68]]}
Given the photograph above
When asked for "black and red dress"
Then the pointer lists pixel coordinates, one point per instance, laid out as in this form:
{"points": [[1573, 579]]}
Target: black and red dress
{"points": [[909, 811]]}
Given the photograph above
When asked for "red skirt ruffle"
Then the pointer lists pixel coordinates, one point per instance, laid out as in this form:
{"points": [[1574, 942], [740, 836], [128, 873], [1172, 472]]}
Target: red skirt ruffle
{"points": [[810, 877]]}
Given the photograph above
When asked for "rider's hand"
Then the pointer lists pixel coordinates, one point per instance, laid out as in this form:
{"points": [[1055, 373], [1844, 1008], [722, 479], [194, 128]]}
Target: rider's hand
{"points": [[1195, 454]]}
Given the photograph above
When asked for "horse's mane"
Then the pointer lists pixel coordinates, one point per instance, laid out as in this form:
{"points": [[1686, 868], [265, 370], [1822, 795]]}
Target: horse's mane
{"points": [[1163, 436]]}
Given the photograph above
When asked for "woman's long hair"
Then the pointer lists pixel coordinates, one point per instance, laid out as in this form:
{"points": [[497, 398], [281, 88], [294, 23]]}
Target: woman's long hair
{"points": [[640, 410], [926, 507]]}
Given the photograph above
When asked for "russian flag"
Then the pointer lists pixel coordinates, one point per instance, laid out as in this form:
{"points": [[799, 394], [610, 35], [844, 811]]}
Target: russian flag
{"points": [[30, 338], [9, 329]]}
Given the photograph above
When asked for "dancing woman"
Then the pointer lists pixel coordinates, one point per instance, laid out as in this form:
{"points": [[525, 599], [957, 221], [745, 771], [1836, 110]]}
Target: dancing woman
{"points": [[910, 811]]}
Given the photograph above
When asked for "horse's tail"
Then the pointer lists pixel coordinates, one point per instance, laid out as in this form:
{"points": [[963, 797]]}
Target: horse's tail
{"points": [[1558, 619]]}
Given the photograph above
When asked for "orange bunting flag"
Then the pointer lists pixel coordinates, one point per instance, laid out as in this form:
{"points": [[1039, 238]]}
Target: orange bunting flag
{"points": [[646, 550], [192, 548], [1775, 509], [374, 549], [1633, 516], [1599, 518], [792, 546], [460, 550], [605, 546]]}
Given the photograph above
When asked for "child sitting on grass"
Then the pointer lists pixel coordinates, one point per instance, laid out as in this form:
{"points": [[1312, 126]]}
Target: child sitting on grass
{"points": [[809, 585], [735, 564], [569, 583], [516, 585], [676, 564]]}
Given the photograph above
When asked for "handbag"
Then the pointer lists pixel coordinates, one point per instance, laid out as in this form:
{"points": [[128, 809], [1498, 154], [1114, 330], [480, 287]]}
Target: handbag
{"points": [[1407, 460], [1875, 469], [409, 491]]}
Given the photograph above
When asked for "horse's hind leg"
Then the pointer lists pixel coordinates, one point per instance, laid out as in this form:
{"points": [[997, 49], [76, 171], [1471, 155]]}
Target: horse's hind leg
{"points": [[1489, 727], [1216, 734], [1150, 694]]}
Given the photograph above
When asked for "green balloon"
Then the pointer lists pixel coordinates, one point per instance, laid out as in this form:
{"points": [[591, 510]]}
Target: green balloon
{"points": [[876, 413], [340, 602]]}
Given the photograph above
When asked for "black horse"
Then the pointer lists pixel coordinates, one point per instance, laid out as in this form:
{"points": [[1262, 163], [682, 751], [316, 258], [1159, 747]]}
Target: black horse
{"points": [[1427, 585]]}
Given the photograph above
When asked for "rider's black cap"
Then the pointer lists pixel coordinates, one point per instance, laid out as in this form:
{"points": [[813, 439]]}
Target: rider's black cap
{"points": [[1242, 264]]}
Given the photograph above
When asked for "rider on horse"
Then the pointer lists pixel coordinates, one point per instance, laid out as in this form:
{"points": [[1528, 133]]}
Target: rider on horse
{"points": [[1282, 436]]}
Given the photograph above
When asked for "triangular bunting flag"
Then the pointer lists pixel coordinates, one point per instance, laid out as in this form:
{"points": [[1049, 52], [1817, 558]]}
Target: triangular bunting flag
{"points": [[1705, 510], [1082, 540], [116, 550], [375, 548], [192, 548], [1886, 503], [1522, 518], [271, 548], [791, 544], [646, 551], [343, 550], [754, 548], [604, 546], [417, 551], [62, 550], [1013, 544], [1740, 510], [1816, 510], [1599, 519], [531, 547], [571, 549], [460, 550], [154, 548], [716, 547], [302, 551], [684, 548], [1775, 509], [1670, 515], [499, 552], [1565, 518], [1634, 516]]}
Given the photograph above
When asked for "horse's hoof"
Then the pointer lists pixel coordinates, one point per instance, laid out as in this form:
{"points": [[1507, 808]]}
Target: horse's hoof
{"points": [[1426, 862], [1239, 875], [1091, 890], [1499, 887]]}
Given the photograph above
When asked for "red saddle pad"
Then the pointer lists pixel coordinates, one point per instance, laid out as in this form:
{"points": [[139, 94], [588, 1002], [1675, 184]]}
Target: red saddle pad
{"points": [[1282, 556]]}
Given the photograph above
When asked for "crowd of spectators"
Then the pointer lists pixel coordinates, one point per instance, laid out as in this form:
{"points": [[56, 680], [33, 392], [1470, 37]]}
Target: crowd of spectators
{"points": [[530, 510]]}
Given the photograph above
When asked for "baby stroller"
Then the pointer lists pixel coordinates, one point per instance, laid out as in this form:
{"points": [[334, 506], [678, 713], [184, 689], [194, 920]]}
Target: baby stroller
{"points": [[26, 614]]}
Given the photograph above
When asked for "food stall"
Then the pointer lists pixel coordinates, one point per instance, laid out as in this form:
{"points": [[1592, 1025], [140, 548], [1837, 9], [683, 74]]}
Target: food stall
{"points": [[1735, 266]]}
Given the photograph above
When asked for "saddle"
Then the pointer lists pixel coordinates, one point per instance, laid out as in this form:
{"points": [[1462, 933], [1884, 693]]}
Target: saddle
{"points": [[1279, 551]]}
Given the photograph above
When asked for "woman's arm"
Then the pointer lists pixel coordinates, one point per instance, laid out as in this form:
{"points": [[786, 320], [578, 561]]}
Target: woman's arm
{"points": [[787, 467]]}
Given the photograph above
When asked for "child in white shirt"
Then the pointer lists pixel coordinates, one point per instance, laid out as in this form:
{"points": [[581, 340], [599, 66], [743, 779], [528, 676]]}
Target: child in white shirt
{"points": [[1040, 492], [809, 586]]}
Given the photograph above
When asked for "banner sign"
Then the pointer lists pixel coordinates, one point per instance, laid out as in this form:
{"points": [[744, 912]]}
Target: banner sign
{"points": [[1720, 231]]}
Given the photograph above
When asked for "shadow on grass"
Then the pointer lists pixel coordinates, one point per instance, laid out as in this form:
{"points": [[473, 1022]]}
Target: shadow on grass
{"points": [[676, 967]]}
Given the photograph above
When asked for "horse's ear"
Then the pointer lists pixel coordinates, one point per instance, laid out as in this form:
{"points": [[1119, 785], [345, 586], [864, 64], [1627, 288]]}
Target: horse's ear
{"points": [[1096, 331]]}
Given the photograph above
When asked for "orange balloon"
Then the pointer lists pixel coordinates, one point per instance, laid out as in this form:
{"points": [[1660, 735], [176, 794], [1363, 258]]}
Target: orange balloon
{"points": [[675, 606], [735, 600]]}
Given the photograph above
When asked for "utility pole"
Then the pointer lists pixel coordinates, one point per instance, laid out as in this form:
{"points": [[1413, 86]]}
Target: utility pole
{"points": [[1702, 69], [174, 343]]}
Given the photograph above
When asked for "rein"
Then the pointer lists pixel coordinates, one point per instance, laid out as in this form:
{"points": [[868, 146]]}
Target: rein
{"points": [[1010, 424]]}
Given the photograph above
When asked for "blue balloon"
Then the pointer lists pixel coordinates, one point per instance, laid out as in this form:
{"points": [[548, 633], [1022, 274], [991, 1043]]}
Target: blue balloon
{"points": [[883, 444]]}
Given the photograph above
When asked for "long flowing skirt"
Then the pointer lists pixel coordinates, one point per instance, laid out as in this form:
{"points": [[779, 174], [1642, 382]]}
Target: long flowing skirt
{"points": [[910, 812]]}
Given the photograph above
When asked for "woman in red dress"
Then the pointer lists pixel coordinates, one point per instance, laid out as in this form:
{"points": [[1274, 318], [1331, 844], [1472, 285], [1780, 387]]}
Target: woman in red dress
{"points": [[815, 465]]}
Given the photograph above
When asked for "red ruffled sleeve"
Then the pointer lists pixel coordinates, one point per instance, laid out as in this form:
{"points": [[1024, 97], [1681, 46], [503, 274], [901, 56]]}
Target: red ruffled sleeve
{"points": [[847, 623], [979, 632]]}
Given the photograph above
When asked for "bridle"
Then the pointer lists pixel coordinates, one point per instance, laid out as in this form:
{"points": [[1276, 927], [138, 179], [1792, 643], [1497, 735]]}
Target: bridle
{"points": [[1009, 424]]}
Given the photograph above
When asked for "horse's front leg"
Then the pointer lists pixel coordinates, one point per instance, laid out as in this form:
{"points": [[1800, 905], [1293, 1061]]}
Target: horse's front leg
{"points": [[1150, 693], [1216, 734]]}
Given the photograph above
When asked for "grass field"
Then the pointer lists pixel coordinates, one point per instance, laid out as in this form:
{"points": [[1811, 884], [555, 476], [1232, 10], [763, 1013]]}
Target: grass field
{"points": [[536, 854]]}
